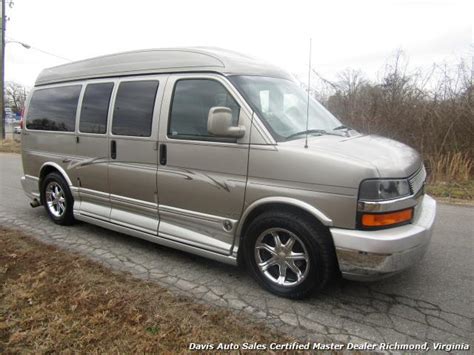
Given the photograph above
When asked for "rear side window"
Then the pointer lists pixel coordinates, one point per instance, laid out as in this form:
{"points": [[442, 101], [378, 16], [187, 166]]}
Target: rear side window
{"points": [[133, 111], [95, 106], [53, 109], [192, 100]]}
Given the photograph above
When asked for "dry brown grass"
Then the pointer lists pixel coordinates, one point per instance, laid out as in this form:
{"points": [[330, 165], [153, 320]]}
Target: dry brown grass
{"points": [[53, 301], [450, 177], [450, 167], [452, 192], [10, 146]]}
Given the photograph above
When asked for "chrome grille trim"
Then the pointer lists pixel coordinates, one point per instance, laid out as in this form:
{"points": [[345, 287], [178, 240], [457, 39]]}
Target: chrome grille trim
{"points": [[417, 180]]}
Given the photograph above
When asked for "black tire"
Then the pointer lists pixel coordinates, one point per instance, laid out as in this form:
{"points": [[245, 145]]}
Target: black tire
{"points": [[66, 217], [317, 243]]}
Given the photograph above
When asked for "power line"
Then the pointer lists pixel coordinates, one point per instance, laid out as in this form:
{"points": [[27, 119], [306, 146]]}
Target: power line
{"points": [[49, 53], [41, 50]]}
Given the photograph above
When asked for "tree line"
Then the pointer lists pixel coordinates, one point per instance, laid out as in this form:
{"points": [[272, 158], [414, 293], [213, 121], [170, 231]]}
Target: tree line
{"points": [[432, 111]]}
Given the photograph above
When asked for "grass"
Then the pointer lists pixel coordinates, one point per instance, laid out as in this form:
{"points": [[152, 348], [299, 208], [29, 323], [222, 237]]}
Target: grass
{"points": [[452, 191], [451, 167], [54, 301], [10, 146], [450, 177]]}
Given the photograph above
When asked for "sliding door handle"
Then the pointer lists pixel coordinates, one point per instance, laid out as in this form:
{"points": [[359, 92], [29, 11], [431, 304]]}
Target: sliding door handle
{"points": [[113, 149], [163, 154]]}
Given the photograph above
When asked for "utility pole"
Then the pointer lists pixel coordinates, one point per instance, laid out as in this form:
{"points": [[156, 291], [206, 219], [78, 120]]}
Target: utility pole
{"points": [[2, 74]]}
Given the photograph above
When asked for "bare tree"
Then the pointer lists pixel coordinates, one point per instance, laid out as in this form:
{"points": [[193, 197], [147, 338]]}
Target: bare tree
{"points": [[431, 110], [16, 96]]}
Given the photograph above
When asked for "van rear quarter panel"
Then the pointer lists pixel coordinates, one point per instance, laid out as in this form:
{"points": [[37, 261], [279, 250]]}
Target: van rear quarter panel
{"points": [[39, 147]]}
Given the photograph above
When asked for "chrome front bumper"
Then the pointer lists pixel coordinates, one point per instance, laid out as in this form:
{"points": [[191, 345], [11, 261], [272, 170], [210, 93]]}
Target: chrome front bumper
{"points": [[372, 255]]}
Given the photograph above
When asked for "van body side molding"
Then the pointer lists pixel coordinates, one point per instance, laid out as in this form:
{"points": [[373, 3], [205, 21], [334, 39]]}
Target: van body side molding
{"points": [[161, 239]]}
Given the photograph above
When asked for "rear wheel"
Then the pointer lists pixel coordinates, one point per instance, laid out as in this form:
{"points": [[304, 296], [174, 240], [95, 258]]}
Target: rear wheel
{"points": [[288, 255], [57, 199]]}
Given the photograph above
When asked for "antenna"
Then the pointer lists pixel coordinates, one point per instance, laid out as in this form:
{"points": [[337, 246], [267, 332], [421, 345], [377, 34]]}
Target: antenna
{"points": [[309, 88]]}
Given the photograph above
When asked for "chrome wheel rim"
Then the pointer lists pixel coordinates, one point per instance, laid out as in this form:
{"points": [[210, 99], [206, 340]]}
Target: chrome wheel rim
{"points": [[55, 199], [282, 257]]}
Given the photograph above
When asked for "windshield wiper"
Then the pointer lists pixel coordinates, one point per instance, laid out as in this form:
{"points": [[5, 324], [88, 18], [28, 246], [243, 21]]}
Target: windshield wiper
{"points": [[309, 131], [341, 127]]}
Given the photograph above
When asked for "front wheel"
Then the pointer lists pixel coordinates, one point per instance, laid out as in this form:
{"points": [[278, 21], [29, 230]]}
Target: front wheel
{"points": [[288, 255], [57, 199]]}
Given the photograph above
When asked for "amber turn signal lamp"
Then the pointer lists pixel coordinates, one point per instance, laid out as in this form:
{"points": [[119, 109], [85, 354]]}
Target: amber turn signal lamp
{"points": [[386, 219]]}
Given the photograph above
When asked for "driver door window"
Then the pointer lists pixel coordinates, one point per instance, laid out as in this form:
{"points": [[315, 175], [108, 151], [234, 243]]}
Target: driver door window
{"points": [[192, 100]]}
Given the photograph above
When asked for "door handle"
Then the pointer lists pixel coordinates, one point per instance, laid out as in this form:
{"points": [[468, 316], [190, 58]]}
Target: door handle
{"points": [[163, 154], [113, 149]]}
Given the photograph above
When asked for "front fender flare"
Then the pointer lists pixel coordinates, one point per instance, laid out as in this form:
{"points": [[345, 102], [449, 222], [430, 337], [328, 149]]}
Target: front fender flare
{"points": [[324, 219]]}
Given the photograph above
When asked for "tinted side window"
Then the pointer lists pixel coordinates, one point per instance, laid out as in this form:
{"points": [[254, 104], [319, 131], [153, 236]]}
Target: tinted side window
{"points": [[95, 106], [192, 100], [54, 109], [133, 111]]}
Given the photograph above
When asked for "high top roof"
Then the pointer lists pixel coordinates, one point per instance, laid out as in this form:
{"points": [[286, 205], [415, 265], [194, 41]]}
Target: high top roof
{"points": [[169, 60]]}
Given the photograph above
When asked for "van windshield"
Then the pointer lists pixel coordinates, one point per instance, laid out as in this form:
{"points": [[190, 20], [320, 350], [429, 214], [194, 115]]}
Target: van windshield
{"points": [[282, 105]]}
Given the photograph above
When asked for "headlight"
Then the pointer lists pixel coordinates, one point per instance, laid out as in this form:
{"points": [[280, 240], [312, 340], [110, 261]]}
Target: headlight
{"points": [[383, 189]]}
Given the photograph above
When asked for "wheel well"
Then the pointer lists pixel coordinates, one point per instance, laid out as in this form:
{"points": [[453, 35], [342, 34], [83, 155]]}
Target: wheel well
{"points": [[43, 173], [275, 206]]}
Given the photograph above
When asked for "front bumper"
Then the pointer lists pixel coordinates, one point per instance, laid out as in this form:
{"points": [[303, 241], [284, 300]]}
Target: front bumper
{"points": [[372, 255]]}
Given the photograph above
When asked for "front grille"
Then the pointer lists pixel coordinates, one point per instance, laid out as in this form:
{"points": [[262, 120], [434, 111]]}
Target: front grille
{"points": [[417, 180]]}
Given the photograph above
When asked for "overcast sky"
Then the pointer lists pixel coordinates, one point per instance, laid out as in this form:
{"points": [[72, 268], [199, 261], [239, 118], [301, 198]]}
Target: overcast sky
{"points": [[358, 34]]}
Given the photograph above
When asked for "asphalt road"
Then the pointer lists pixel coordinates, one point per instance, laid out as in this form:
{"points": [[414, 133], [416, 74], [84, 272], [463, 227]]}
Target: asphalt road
{"points": [[431, 302]]}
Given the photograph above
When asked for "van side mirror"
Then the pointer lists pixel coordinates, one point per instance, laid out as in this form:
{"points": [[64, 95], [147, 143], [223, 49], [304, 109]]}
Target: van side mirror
{"points": [[219, 123]]}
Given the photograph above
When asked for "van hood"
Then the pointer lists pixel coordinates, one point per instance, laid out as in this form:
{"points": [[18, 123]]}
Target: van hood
{"points": [[389, 157]]}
